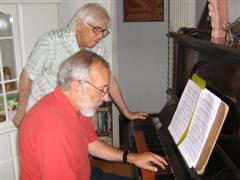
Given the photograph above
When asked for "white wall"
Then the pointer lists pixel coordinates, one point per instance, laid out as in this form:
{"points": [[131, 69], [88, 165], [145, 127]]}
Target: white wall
{"points": [[233, 10], [142, 61], [42, 22]]}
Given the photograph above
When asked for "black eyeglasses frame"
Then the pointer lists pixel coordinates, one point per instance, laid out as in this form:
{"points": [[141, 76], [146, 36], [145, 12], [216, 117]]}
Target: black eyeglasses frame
{"points": [[98, 29], [103, 92]]}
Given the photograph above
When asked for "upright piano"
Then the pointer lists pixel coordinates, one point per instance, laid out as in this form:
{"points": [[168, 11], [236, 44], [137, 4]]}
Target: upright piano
{"points": [[219, 65]]}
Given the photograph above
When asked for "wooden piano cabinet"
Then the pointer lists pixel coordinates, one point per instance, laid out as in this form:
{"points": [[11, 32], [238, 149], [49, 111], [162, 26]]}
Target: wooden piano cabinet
{"points": [[219, 64], [194, 52]]}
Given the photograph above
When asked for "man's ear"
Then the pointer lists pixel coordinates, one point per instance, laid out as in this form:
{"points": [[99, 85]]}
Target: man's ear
{"points": [[75, 87], [79, 24]]}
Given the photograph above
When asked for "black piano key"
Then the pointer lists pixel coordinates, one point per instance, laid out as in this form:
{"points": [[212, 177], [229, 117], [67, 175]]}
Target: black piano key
{"points": [[159, 152], [150, 134], [155, 146], [153, 140], [164, 178], [164, 173], [149, 131], [149, 128], [167, 168], [167, 172]]}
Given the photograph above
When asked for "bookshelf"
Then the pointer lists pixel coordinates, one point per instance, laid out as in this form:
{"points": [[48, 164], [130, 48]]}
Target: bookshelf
{"points": [[103, 123]]}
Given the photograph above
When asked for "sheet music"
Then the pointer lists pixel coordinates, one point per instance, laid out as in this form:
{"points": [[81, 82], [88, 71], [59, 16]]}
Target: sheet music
{"points": [[202, 122], [184, 111]]}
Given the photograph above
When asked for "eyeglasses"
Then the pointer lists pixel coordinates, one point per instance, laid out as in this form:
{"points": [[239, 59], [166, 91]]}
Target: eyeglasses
{"points": [[97, 30], [103, 92]]}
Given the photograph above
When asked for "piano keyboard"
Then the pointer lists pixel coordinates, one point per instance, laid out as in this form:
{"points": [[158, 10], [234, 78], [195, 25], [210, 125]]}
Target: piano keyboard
{"points": [[152, 135], [147, 140]]}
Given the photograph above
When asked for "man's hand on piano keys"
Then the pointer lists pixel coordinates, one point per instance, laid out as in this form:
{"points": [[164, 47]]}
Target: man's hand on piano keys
{"points": [[136, 115], [147, 160]]}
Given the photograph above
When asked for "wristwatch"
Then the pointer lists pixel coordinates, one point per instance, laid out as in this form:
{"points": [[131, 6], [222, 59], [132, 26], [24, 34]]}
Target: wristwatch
{"points": [[124, 157]]}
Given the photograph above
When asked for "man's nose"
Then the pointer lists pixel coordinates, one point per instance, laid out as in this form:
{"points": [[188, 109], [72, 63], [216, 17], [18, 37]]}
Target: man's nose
{"points": [[106, 98], [99, 36]]}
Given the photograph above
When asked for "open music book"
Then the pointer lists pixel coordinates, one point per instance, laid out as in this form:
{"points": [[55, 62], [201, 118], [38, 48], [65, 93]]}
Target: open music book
{"points": [[196, 124]]}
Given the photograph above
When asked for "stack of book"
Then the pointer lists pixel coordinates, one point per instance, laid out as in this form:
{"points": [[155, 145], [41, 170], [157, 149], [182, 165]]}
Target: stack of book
{"points": [[103, 122]]}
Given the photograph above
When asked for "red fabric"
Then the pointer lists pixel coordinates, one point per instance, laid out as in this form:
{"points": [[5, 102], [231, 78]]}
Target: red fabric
{"points": [[53, 141]]}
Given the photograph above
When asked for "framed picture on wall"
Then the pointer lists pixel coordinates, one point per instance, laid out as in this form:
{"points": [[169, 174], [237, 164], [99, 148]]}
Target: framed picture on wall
{"points": [[143, 10]]}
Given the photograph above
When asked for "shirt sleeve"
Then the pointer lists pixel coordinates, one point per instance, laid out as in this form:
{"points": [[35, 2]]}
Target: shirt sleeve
{"points": [[38, 58], [90, 130]]}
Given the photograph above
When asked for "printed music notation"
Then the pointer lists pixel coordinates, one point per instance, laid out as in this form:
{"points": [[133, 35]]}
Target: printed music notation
{"points": [[196, 124]]}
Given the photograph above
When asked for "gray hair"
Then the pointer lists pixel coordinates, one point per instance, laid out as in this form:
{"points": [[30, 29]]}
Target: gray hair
{"points": [[89, 13], [78, 67]]}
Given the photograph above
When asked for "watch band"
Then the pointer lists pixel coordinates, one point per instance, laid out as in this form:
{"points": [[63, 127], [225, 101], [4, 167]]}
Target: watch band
{"points": [[124, 157]]}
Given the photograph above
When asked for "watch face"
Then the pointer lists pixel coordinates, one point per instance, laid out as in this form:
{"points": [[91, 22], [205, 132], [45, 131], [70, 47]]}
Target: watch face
{"points": [[125, 153]]}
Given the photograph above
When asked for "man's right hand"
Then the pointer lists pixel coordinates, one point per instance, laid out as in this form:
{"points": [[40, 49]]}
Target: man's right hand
{"points": [[147, 160]]}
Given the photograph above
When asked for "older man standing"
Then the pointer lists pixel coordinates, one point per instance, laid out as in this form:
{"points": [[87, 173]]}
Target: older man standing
{"points": [[57, 135], [85, 31]]}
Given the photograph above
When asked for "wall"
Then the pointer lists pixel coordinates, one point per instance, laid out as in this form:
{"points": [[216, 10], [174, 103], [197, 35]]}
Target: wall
{"points": [[233, 10], [42, 23], [142, 61]]}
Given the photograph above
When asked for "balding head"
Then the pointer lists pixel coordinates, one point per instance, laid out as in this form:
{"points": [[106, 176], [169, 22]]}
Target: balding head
{"points": [[89, 13], [79, 67]]}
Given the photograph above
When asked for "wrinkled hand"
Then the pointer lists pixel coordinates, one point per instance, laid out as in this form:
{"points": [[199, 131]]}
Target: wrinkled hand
{"points": [[136, 115], [146, 160], [17, 119]]}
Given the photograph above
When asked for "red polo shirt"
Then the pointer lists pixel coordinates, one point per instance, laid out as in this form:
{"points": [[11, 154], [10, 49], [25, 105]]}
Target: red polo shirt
{"points": [[53, 140]]}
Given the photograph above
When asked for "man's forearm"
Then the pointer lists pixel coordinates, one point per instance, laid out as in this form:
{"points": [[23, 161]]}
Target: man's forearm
{"points": [[117, 96], [25, 84], [24, 91], [142, 160], [105, 151]]}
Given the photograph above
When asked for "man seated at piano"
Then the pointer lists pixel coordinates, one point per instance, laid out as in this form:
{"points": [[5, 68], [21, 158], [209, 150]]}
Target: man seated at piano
{"points": [[57, 136]]}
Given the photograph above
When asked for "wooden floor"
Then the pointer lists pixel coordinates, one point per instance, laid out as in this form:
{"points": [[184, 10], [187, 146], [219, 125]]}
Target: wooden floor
{"points": [[118, 168]]}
